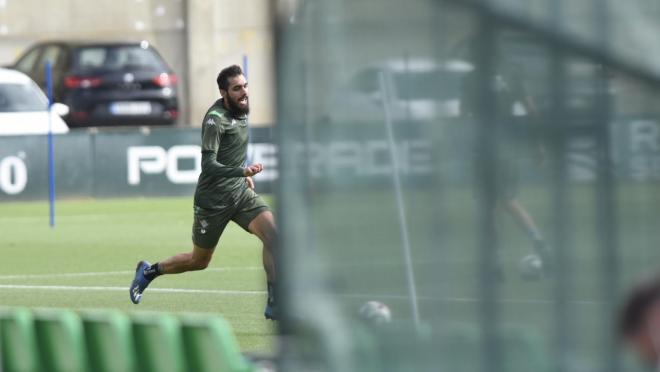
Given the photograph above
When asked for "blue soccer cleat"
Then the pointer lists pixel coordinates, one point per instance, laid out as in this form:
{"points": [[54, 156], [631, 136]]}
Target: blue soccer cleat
{"points": [[140, 283], [271, 311]]}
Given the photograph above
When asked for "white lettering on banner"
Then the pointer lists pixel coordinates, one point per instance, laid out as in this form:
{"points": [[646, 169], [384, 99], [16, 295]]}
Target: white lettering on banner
{"points": [[370, 158], [316, 158], [266, 154], [581, 167], [419, 154], [344, 157], [377, 154], [147, 159], [177, 175], [644, 136], [367, 159], [644, 157], [645, 167], [13, 175], [581, 163], [155, 160]]}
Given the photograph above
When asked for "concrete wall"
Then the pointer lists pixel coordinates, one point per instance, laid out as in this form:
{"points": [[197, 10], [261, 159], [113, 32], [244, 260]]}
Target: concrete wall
{"points": [[196, 37], [220, 33]]}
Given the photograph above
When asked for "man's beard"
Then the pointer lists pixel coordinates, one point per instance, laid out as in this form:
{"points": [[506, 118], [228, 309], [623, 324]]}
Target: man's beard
{"points": [[235, 109]]}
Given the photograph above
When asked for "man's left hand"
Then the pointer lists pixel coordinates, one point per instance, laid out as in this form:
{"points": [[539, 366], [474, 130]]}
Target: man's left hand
{"points": [[250, 182]]}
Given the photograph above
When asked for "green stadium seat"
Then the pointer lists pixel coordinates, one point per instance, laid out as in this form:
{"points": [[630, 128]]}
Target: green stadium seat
{"points": [[109, 341], [60, 340], [158, 345], [210, 345], [18, 344]]}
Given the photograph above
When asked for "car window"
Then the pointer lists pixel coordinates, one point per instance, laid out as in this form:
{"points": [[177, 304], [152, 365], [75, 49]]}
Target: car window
{"points": [[21, 98], [51, 54], [117, 58], [26, 63]]}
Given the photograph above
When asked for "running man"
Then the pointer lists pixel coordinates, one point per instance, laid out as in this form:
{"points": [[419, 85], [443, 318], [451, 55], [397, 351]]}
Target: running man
{"points": [[516, 115], [225, 192]]}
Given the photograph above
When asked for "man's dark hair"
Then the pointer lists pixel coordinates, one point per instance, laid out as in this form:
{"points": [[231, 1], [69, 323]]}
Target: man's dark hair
{"points": [[635, 309], [226, 74]]}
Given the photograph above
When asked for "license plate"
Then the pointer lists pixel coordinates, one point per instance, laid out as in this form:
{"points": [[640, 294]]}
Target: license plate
{"points": [[130, 108]]}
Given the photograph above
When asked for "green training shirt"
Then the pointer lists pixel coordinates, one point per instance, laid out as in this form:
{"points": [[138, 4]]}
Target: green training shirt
{"points": [[224, 151]]}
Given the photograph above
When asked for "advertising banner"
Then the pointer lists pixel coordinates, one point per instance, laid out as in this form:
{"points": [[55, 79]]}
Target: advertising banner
{"points": [[166, 161]]}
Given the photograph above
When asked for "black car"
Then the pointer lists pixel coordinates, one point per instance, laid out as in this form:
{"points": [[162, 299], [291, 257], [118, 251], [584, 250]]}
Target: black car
{"points": [[106, 83]]}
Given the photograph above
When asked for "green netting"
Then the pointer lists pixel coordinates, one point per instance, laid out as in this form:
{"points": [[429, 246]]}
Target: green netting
{"points": [[428, 148]]}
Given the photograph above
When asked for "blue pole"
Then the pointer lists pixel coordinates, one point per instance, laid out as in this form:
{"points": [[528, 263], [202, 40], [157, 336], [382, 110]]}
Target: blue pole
{"points": [[51, 147], [245, 65]]}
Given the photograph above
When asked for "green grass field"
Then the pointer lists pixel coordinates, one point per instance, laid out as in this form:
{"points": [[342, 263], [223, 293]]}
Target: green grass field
{"points": [[357, 234], [88, 259], [96, 243]]}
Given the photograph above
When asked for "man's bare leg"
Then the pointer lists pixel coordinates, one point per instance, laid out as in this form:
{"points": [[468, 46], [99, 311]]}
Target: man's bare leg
{"points": [[263, 226], [527, 223], [198, 259], [523, 218], [269, 264]]}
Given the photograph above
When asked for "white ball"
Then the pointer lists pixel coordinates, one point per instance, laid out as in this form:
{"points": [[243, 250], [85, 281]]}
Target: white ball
{"points": [[375, 312], [531, 267]]}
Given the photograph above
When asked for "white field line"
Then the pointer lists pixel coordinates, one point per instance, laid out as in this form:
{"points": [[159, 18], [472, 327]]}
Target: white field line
{"points": [[125, 289], [529, 301], [71, 217], [112, 273], [238, 292], [543, 302], [76, 216]]}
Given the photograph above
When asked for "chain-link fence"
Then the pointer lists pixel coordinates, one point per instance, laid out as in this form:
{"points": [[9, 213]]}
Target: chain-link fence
{"points": [[486, 170]]}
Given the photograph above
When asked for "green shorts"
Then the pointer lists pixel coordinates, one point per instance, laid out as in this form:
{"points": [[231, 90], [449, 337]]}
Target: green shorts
{"points": [[507, 180], [208, 225]]}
